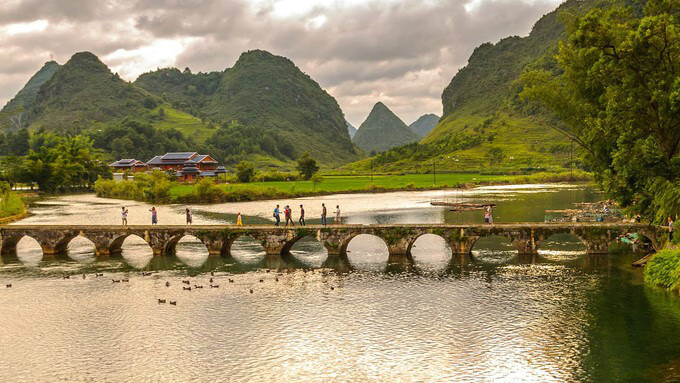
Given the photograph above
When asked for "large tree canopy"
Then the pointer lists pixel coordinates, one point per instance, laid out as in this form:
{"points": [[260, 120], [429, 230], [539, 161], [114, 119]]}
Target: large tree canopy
{"points": [[617, 92]]}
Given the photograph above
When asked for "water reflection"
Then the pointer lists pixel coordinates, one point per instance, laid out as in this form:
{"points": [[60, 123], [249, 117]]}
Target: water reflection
{"points": [[81, 249], [136, 252], [494, 250], [367, 252], [431, 253], [191, 251], [29, 252], [309, 252]]}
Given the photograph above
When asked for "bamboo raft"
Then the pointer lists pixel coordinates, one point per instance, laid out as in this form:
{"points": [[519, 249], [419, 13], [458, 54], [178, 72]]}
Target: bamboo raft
{"points": [[458, 206]]}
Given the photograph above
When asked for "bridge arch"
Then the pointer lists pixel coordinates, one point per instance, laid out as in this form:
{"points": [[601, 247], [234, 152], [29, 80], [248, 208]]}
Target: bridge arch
{"points": [[245, 248], [307, 249], [370, 252], [494, 248], [79, 248], [431, 251], [170, 246]]}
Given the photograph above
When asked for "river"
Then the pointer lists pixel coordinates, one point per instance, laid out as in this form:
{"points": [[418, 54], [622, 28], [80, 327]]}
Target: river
{"points": [[561, 316]]}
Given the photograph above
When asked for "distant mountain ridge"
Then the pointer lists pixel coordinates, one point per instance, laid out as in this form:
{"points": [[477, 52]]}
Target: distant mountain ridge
{"points": [[424, 124], [266, 91], [263, 91], [383, 130], [14, 111]]}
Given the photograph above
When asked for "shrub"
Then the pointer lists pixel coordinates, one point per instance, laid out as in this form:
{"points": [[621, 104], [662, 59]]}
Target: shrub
{"points": [[245, 171], [664, 269]]}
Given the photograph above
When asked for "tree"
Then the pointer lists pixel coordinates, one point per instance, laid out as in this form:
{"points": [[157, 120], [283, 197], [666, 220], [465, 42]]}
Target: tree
{"points": [[495, 156], [316, 179], [245, 171], [307, 166], [617, 93]]}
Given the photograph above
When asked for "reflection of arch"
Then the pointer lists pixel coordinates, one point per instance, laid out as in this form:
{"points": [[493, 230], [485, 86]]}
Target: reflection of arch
{"points": [[432, 251], [347, 241], [9, 244], [171, 244], [228, 246], [541, 245], [505, 238], [62, 246], [416, 238], [288, 246], [116, 245]]}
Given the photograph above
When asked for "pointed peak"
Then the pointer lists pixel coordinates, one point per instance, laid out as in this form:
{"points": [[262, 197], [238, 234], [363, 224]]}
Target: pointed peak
{"points": [[88, 61]]}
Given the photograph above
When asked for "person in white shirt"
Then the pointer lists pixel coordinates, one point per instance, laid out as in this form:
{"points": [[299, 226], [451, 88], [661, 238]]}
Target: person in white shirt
{"points": [[338, 219]]}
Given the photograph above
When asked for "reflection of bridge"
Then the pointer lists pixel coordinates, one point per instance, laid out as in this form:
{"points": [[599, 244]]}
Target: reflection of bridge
{"points": [[526, 237]]}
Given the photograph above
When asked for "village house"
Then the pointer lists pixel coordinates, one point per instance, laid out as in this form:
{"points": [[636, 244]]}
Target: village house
{"points": [[128, 165], [187, 166]]}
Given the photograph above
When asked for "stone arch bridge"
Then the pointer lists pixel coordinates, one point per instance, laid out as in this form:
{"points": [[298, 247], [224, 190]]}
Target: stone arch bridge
{"points": [[526, 237]]}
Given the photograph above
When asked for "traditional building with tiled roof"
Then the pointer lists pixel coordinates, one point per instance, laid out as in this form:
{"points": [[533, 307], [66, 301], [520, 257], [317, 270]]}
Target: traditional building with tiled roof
{"points": [[128, 164]]}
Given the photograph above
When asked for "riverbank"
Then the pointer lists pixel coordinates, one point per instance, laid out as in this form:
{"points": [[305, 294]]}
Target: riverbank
{"points": [[165, 191], [664, 269], [12, 207]]}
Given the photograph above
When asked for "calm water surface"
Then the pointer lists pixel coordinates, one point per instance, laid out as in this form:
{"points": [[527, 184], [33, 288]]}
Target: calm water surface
{"points": [[561, 316]]}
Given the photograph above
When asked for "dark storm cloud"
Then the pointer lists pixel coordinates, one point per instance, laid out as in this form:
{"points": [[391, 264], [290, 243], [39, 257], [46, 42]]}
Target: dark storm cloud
{"points": [[403, 52]]}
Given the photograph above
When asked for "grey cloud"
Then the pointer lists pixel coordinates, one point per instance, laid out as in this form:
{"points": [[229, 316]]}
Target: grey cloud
{"points": [[405, 51]]}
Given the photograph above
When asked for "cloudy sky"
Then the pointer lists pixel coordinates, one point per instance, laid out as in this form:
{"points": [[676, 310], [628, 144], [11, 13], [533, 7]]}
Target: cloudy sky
{"points": [[401, 52]]}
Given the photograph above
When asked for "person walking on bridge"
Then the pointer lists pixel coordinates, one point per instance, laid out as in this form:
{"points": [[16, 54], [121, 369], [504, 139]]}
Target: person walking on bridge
{"points": [[277, 216], [324, 213], [288, 213], [154, 215], [188, 214], [239, 220], [302, 216], [123, 215], [338, 218]]}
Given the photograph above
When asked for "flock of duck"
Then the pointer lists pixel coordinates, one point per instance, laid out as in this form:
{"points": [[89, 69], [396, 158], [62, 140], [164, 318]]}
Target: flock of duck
{"points": [[212, 283]]}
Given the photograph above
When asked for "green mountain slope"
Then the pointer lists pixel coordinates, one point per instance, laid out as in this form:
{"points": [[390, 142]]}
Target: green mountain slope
{"points": [[12, 113], [267, 92], [84, 92], [383, 130], [485, 124], [424, 124]]}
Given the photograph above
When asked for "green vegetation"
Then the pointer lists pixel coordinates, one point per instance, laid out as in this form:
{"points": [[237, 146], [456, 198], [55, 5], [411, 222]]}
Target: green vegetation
{"points": [[289, 186], [13, 113], [281, 112], [664, 269], [307, 166], [424, 124], [133, 138], [84, 92], [383, 130], [245, 171], [55, 164], [483, 110], [616, 92], [10, 203]]}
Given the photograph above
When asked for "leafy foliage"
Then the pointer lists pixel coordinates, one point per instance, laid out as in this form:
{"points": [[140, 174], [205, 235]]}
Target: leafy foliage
{"points": [[134, 138], [10, 203], [269, 96], [664, 269], [232, 141], [307, 166], [617, 91], [245, 171]]}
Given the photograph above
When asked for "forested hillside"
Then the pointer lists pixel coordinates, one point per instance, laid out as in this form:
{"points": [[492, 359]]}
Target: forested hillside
{"points": [[485, 124], [263, 95]]}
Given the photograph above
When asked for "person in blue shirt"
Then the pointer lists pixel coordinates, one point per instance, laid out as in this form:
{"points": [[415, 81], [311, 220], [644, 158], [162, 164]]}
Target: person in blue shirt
{"points": [[277, 215]]}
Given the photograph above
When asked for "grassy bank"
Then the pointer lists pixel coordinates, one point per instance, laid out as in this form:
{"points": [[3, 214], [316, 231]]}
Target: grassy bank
{"points": [[158, 188], [10, 204], [664, 269]]}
